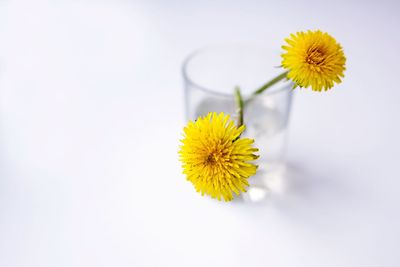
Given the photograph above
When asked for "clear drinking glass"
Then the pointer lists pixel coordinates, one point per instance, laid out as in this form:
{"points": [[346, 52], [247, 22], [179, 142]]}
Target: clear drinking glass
{"points": [[210, 76]]}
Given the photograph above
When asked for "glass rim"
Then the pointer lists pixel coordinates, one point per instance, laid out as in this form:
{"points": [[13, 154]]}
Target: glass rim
{"points": [[198, 51]]}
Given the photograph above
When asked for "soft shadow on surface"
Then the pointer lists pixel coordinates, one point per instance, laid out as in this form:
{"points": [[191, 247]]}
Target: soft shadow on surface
{"points": [[318, 196], [315, 196], [307, 181], [298, 187]]}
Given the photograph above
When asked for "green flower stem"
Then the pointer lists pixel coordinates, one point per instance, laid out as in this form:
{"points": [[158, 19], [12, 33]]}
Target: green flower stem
{"points": [[239, 99], [239, 106], [270, 83]]}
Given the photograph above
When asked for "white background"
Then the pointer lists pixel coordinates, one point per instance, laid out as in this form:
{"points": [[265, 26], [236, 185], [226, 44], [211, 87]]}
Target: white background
{"points": [[91, 113]]}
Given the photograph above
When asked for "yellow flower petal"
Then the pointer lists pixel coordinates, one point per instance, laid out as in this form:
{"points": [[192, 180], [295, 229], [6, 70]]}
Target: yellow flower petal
{"points": [[315, 59], [214, 159]]}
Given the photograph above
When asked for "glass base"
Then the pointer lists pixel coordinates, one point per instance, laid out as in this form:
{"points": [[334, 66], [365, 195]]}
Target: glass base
{"points": [[266, 183]]}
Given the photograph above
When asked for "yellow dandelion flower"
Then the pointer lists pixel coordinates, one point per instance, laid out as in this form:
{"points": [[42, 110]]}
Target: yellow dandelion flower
{"points": [[215, 159], [315, 59]]}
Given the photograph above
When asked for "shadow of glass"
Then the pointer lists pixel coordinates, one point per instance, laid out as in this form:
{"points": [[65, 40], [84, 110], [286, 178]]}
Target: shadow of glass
{"points": [[298, 185]]}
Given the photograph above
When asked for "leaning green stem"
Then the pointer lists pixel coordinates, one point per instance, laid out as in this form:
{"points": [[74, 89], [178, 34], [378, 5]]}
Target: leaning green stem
{"points": [[239, 99], [270, 83], [239, 106]]}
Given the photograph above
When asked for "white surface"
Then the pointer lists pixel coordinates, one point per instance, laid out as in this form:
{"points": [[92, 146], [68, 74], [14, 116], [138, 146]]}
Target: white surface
{"points": [[91, 110]]}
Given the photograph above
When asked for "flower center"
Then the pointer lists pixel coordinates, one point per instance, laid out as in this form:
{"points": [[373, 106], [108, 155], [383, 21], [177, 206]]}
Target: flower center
{"points": [[214, 158], [211, 159], [315, 56]]}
